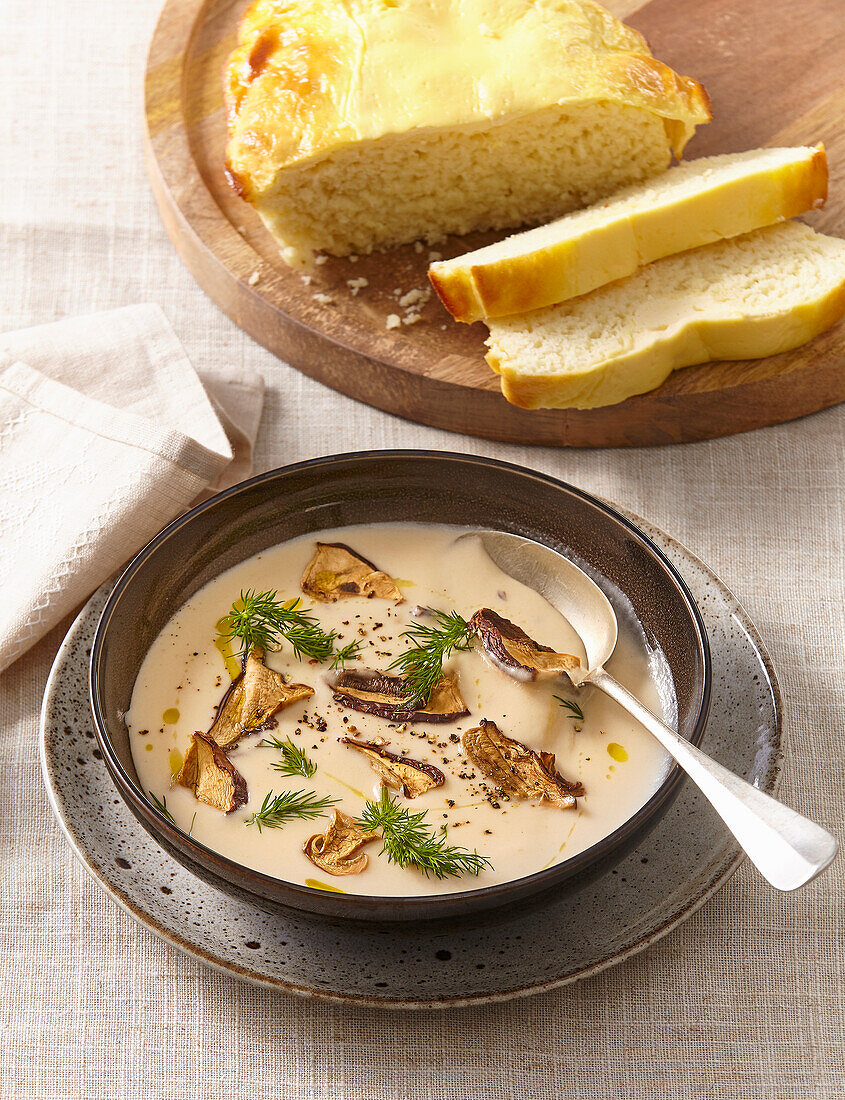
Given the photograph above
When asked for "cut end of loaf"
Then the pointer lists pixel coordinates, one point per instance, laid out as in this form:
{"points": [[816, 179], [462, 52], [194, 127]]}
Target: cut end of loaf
{"points": [[355, 126], [401, 188]]}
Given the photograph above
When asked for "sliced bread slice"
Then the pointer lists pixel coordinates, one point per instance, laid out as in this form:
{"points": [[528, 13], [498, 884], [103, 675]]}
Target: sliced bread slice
{"points": [[755, 295], [688, 206]]}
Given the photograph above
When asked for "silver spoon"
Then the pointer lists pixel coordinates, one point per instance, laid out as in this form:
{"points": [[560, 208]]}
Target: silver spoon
{"points": [[789, 850]]}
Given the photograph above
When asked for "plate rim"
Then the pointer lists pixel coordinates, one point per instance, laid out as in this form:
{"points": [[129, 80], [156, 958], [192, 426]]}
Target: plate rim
{"points": [[724, 868]]}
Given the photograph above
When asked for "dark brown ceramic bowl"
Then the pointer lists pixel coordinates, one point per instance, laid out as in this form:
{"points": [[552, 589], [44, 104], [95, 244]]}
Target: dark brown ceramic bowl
{"points": [[379, 487]]}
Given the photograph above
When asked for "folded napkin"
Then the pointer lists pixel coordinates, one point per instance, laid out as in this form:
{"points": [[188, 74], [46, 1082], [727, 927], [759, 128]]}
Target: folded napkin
{"points": [[106, 433]]}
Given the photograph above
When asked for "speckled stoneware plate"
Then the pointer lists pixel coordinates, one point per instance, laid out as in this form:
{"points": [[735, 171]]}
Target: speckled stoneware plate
{"points": [[545, 942]]}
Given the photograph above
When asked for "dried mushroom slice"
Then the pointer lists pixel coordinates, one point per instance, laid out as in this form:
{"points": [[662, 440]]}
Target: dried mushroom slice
{"points": [[400, 773], [210, 774], [379, 693], [338, 850], [517, 770], [252, 700], [514, 652], [336, 572], [445, 703]]}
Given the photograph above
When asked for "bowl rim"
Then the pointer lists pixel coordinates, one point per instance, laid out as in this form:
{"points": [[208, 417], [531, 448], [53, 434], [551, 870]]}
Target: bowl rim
{"points": [[526, 884]]}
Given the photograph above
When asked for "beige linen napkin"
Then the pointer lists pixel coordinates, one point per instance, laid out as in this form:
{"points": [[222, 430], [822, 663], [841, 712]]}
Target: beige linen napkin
{"points": [[106, 434]]}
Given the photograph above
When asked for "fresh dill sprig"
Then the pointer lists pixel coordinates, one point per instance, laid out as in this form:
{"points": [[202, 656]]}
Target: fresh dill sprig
{"points": [[161, 805], [422, 663], [278, 809], [262, 619], [410, 841], [574, 710], [346, 653], [294, 761]]}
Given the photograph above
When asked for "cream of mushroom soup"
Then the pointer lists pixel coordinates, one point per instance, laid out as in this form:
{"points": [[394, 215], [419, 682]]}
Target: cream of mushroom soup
{"points": [[520, 772]]}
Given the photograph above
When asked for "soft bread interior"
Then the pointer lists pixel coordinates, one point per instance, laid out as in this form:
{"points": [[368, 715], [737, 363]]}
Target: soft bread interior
{"points": [[424, 184], [748, 297]]}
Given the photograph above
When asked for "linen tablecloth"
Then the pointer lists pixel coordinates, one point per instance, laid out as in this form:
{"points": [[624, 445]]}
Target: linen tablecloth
{"points": [[745, 1000]]}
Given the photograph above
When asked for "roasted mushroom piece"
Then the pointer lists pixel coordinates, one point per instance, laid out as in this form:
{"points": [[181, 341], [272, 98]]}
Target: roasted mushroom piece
{"points": [[373, 692], [514, 652], [338, 850], [517, 770], [400, 773], [252, 700], [210, 774], [337, 572]]}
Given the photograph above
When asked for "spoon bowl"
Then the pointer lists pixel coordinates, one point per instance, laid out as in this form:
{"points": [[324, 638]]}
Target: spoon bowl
{"points": [[562, 584]]}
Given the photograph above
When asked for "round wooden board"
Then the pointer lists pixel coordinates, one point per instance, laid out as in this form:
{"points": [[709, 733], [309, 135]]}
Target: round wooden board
{"points": [[773, 69]]}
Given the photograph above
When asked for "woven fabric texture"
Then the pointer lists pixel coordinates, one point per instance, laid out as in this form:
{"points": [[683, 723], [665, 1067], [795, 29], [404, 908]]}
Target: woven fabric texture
{"points": [[744, 1001], [106, 434]]}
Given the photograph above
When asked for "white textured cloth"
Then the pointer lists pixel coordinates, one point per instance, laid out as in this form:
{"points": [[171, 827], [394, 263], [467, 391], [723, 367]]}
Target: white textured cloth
{"points": [[743, 1002], [106, 434]]}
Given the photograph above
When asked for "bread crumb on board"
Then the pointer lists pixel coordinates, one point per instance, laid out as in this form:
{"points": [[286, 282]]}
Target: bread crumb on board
{"points": [[409, 303], [254, 278], [415, 297]]}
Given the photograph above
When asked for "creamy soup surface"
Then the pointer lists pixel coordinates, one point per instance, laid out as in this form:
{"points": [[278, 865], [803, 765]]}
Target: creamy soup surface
{"points": [[185, 675]]}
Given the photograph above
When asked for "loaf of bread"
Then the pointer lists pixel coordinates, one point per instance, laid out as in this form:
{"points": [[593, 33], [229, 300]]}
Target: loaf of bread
{"points": [[361, 124], [688, 206], [759, 294]]}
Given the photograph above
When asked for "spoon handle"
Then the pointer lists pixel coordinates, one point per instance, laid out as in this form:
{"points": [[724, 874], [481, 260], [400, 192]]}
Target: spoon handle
{"points": [[789, 850]]}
